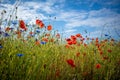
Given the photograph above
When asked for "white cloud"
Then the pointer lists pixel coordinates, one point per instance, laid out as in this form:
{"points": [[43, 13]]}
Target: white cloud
{"points": [[49, 6], [30, 9], [24, 11], [70, 30], [95, 18], [71, 15], [43, 6]]}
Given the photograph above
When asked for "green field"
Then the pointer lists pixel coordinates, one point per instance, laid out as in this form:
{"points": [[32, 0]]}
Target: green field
{"points": [[20, 60]]}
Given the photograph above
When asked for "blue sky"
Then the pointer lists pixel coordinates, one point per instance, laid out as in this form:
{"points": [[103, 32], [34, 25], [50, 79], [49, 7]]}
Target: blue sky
{"points": [[72, 16]]}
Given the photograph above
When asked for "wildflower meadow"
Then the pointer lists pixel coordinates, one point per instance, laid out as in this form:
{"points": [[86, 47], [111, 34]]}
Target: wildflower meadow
{"points": [[38, 52]]}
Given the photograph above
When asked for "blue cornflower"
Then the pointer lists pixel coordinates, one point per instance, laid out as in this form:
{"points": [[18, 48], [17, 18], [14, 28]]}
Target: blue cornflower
{"points": [[43, 42], [106, 34], [6, 35], [14, 22], [1, 46], [20, 55], [38, 31]]}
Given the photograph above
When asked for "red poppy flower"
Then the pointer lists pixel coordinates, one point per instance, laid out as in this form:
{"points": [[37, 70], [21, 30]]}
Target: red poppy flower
{"points": [[97, 40], [73, 37], [78, 35], [74, 42], [49, 27], [71, 62], [105, 57], [78, 54], [84, 54], [98, 66], [52, 40], [22, 25], [85, 44], [70, 42], [101, 52], [45, 39], [37, 42], [38, 22], [18, 34], [99, 48], [97, 45], [109, 50], [7, 29], [41, 25], [47, 34], [68, 39]]}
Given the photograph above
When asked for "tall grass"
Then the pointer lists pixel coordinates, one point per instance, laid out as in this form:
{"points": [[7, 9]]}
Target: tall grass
{"points": [[48, 62]]}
